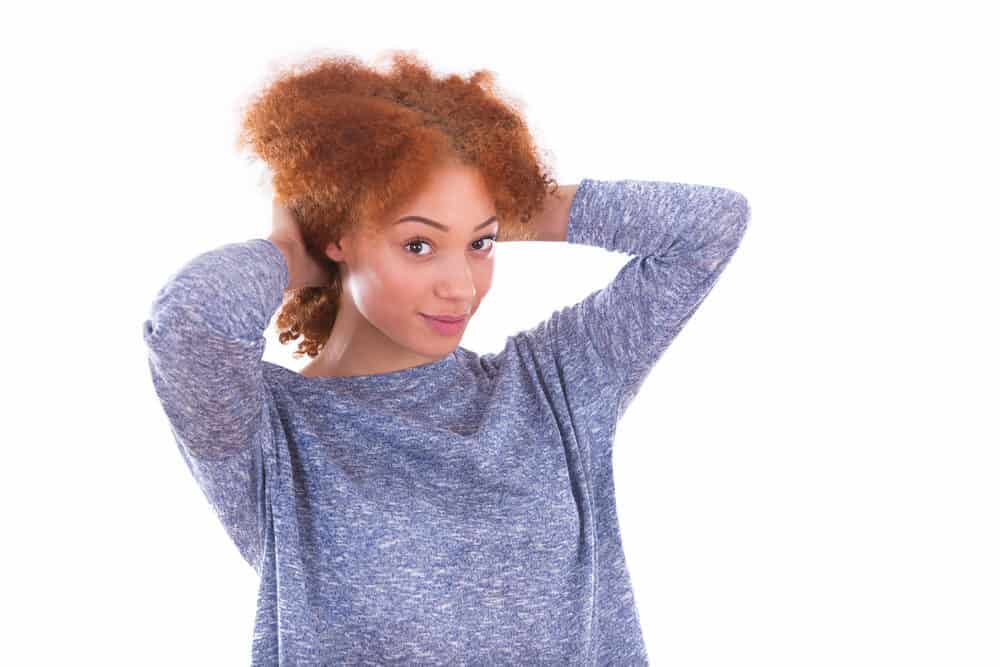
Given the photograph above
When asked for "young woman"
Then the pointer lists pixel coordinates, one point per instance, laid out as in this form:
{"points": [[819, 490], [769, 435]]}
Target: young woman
{"points": [[404, 499]]}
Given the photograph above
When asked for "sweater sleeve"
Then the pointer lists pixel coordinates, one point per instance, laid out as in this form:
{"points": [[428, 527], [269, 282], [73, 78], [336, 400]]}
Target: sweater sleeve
{"points": [[204, 339], [681, 237]]}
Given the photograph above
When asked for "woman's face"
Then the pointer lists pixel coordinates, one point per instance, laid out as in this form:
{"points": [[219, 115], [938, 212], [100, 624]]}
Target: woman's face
{"points": [[434, 257]]}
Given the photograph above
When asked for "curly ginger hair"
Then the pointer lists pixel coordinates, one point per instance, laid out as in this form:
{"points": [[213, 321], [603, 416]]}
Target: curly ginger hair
{"points": [[347, 143]]}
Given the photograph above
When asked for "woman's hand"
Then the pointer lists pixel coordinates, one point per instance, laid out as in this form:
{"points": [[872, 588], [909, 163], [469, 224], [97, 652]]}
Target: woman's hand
{"points": [[304, 270]]}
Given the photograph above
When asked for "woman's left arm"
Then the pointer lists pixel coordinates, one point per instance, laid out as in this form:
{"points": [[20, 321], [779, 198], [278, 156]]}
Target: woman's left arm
{"points": [[681, 237]]}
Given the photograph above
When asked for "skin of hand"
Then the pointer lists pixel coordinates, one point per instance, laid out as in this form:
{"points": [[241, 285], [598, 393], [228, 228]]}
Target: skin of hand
{"points": [[303, 269]]}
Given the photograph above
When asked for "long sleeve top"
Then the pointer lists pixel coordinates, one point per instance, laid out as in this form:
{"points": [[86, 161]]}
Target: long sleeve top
{"points": [[457, 512]]}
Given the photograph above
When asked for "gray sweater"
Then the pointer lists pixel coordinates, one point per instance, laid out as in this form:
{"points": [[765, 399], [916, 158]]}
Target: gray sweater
{"points": [[458, 512]]}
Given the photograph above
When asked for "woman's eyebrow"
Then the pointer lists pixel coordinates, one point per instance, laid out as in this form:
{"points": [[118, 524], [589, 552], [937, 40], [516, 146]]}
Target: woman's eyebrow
{"points": [[432, 223]]}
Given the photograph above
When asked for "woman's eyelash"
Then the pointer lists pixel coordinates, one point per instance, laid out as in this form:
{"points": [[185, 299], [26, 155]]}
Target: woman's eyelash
{"points": [[492, 237]]}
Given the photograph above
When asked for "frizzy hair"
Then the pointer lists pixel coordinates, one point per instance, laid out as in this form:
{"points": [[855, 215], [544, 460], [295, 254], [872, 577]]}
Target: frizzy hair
{"points": [[346, 143]]}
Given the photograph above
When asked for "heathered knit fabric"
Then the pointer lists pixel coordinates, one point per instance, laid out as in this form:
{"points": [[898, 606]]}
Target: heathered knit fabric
{"points": [[461, 512]]}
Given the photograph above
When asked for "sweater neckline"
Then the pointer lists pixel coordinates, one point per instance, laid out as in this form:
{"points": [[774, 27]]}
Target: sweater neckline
{"points": [[438, 367]]}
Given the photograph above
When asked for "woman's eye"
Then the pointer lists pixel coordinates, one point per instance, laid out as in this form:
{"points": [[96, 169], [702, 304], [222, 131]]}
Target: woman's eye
{"points": [[492, 238], [419, 242], [413, 243]]}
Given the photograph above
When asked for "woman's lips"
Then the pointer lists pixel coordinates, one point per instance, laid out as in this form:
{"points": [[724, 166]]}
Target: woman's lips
{"points": [[446, 318], [445, 327]]}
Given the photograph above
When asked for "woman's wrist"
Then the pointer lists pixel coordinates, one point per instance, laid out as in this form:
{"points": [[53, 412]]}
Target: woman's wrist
{"points": [[552, 222], [290, 249]]}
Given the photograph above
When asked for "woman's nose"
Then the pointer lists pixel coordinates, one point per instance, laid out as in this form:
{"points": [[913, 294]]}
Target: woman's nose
{"points": [[458, 282]]}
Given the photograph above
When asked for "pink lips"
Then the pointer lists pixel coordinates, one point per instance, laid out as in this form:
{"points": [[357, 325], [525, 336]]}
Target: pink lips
{"points": [[446, 318], [445, 327]]}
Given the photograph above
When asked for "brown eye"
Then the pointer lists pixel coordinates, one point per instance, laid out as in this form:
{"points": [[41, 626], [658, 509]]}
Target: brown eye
{"points": [[416, 242], [492, 238], [421, 241]]}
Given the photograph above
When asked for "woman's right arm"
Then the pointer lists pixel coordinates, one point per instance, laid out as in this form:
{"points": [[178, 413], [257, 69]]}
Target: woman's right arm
{"points": [[204, 337]]}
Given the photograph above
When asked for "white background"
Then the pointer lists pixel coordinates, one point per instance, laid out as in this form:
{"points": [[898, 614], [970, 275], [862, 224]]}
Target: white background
{"points": [[809, 476]]}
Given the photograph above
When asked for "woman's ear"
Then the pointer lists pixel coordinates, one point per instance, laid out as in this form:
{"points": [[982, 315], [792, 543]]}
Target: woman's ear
{"points": [[337, 248], [334, 251]]}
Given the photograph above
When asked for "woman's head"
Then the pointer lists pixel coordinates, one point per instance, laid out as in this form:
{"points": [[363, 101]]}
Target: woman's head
{"points": [[433, 255], [352, 150]]}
